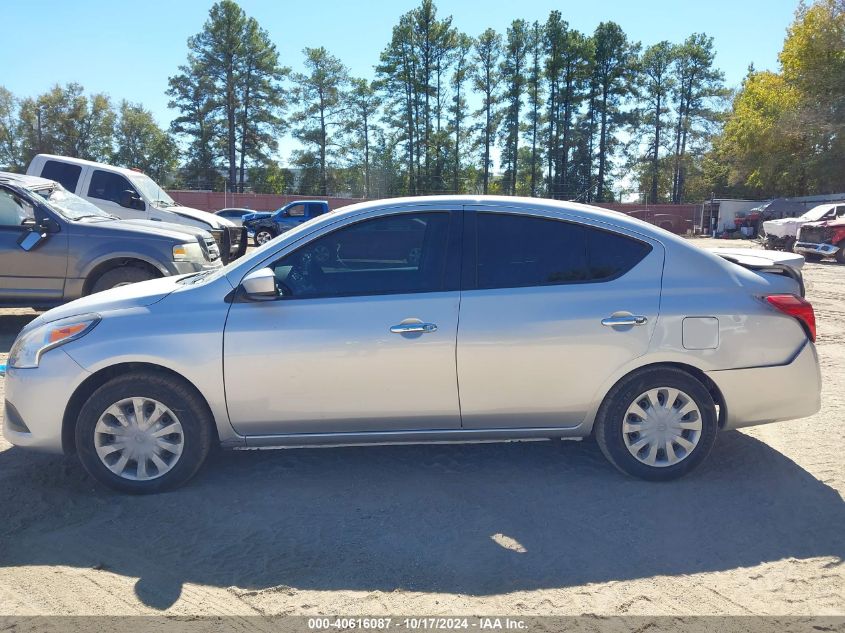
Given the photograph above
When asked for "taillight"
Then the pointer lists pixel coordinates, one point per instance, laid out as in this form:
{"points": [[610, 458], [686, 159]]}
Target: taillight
{"points": [[796, 307]]}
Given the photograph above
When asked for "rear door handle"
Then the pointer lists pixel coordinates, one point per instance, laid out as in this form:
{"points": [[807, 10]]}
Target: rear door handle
{"points": [[414, 328], [628, 319]]}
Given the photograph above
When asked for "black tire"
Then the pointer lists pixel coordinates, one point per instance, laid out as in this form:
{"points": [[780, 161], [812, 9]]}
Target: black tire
{"points": [[179, 397], [121, 276], [270, 233], [840, 254], [789, 244], [812, 257], [608, 425]]}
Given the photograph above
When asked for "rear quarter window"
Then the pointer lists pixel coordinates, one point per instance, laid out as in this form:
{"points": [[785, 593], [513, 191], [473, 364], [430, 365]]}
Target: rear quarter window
{"points": [[65, 174]]}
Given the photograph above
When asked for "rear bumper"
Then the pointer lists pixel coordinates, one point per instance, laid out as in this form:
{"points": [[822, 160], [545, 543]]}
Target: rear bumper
{"points": [[759, 395], [823, 250]]}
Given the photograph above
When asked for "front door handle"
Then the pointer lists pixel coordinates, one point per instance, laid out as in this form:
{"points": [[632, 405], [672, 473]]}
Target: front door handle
{"points": [[627, 319], [414, 328]]}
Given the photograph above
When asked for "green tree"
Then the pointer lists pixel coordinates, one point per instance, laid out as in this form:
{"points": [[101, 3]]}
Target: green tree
{"points": [[534, 86], [65, 121], [140, 143], [269, 177], [261, 100], [364, 103], [320, 94], [698, 91], [486, 79], [655, 72], [512, 71], [192, 93], [614, 62], [10, 149], [458, 110]]}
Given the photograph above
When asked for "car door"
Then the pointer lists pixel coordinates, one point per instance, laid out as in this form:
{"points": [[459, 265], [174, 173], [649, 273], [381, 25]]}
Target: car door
{"points": [[106, 190], [547, 316], [35, 275], [362, 338]]}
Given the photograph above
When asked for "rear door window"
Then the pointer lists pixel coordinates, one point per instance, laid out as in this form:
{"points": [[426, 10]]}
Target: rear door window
{"points": [[64, 173], [516, 251]]}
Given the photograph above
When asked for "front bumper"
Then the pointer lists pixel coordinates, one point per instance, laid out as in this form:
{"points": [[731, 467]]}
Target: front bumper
{"points": [[759, 395], [811, 248], [183, 268], [36, 399]]}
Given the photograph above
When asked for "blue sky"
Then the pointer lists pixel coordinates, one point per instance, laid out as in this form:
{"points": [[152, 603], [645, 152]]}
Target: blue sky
{"points": [[129, 48]]}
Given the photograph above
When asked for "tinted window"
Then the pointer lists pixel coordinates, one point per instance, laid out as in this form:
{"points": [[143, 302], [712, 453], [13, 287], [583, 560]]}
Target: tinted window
{"points": [[316, 209], [394, 254], [64, 173], [515, 251], [108, 186], [13, 210], [296, 211]]}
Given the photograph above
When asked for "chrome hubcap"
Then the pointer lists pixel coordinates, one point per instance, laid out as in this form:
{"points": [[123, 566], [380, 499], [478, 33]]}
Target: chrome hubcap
{"points": [[662, 427], [139, 439], [262, 237]]}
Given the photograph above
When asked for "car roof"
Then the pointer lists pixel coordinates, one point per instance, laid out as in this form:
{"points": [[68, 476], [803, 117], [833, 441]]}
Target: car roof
{"points": [[518, 203], [235, 209], [27, 182], [90, 163]]}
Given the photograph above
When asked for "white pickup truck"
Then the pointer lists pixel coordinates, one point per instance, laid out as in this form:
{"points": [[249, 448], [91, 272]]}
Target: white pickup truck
{"points": [[130, 194], [781, 234]]}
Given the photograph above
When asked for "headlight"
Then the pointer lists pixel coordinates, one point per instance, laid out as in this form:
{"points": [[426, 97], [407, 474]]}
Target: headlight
{"points": [[190, 252], [29, 346]]}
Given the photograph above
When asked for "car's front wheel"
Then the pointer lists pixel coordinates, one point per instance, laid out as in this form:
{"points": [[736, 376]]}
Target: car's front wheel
{"points": [[262, 236], [143, 432], [121, 276], [657, 424]]}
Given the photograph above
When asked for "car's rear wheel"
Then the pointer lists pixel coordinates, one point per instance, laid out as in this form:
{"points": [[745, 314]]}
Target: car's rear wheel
{"points": [[262, 236], [840, 254], [121, 276], [657, 424], [143, 432]]}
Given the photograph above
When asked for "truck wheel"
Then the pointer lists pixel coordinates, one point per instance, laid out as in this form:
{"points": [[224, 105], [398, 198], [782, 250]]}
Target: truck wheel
{"points": [[840, 254], [262, 236], [143, 433], [657, 424], [789, 244], [121, 276]]}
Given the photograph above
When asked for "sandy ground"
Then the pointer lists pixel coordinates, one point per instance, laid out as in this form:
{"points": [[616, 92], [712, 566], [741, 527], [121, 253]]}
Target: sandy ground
{"points": [[538, 528]]}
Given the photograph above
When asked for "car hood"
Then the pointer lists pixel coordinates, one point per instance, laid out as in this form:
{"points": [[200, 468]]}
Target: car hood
{"points": [[836, 222], [138, 295], [213, 221], [784, 222], [258, 215], [144, 229]]}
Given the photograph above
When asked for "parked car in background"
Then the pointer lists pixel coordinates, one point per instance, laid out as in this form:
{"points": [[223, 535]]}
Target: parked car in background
{"points": [[235, 216], [56, 247], [823, 239], [131, 194], [265, 226], [782, 234], [432, 319]]}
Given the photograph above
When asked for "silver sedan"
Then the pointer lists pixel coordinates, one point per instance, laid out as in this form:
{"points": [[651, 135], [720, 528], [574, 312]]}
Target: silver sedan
{"points": [[424, 320]]}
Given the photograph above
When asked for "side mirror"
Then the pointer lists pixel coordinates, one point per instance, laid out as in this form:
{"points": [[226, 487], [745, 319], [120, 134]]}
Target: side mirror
{"points": [[260, 285], [130, 200], [32, 238]]}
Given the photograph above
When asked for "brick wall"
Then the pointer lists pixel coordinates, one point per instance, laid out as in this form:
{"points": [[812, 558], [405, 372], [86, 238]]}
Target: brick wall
{"points": [[214, 200]]}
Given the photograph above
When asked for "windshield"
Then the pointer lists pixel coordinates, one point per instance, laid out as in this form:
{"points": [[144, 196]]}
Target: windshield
{"points": [[150, 190], [70, 206], [816, 213]]}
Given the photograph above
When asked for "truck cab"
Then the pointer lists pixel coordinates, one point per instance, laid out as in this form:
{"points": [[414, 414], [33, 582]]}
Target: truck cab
{"points": [[56, 247], [263, 227], [131, 194]]}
